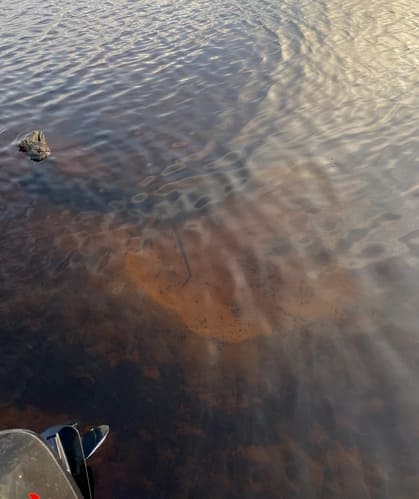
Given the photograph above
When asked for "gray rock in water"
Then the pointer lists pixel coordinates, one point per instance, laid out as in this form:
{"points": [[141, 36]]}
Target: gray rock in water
{"points": [[35, 145]]}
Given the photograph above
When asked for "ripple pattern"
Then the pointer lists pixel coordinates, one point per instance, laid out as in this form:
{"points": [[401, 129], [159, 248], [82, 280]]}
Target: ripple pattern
{"points": [[220, 258]]}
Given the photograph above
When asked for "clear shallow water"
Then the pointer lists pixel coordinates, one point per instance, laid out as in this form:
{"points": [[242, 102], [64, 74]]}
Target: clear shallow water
{"points": [[220, 257]]}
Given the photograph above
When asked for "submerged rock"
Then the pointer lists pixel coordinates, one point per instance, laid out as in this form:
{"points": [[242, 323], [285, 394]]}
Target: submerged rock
{"points": [[35, 145]]}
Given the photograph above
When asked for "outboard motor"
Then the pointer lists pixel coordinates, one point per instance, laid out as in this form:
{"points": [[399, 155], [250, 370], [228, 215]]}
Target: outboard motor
{"points": [[48, 466]]}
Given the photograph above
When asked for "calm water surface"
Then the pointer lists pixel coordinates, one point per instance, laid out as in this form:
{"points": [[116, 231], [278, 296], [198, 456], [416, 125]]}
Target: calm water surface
{"points": [[221, 256]]}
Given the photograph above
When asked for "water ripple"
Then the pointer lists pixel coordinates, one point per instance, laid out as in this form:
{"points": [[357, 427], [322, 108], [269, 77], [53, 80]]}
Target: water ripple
{"points": [[227, 226]]}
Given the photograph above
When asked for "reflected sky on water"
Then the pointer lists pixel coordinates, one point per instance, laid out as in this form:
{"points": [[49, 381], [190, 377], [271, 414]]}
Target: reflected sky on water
{"points": [[220, 256]]}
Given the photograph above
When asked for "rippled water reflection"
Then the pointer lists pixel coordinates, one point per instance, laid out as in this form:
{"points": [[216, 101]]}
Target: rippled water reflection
{"points": [[220, 257]]}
